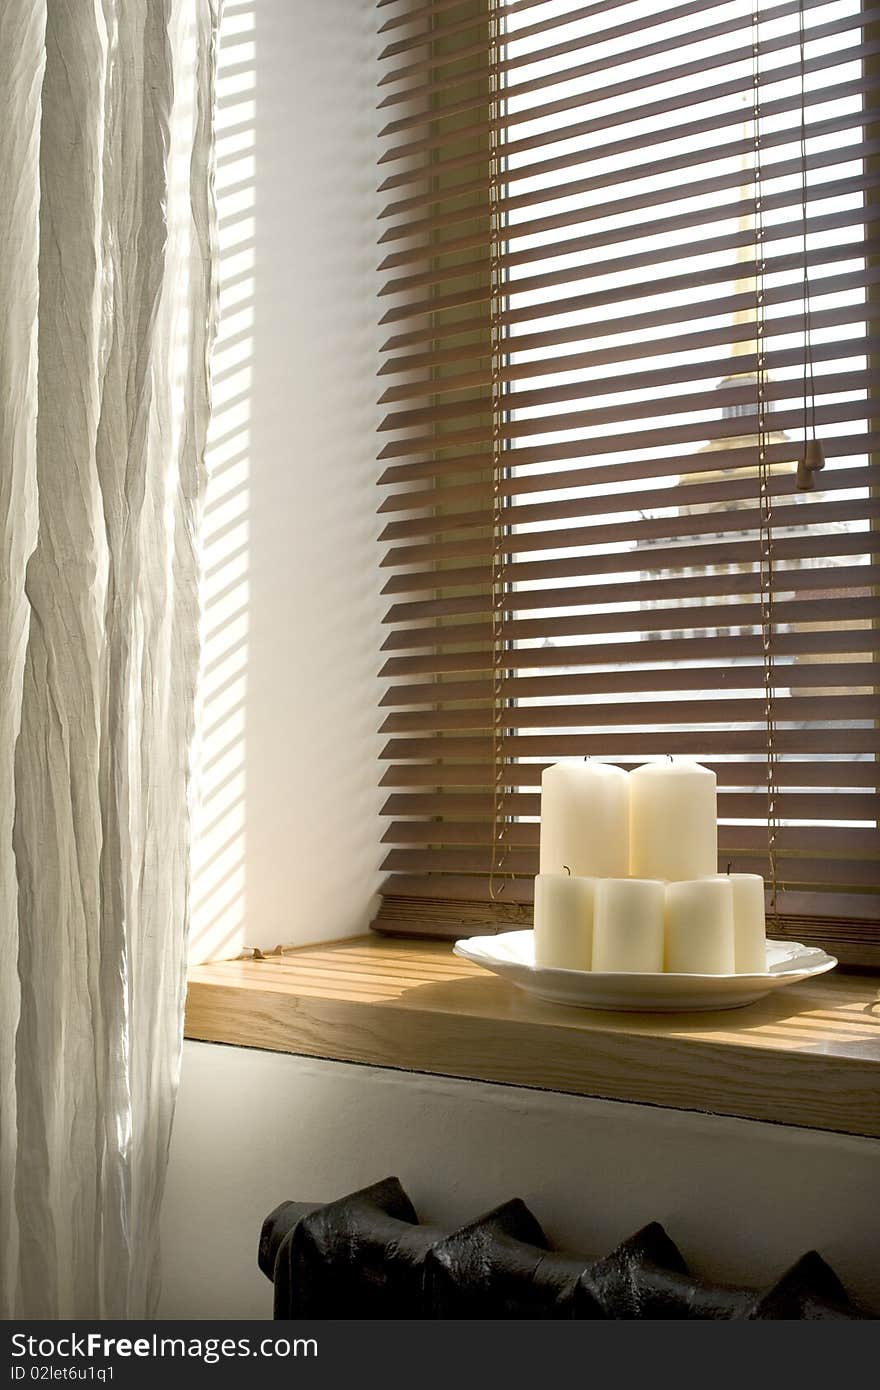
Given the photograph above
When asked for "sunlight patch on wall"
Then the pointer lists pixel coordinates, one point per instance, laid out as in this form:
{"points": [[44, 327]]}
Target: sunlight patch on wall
{"points": [[218, 890]]}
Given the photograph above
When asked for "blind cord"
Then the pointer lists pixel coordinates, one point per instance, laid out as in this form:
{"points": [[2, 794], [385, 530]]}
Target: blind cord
{"points": [[500, 819], [765, 498]]}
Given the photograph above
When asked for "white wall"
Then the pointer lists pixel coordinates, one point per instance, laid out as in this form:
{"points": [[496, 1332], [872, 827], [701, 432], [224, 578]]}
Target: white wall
{"points": [[742, 1200], [288, 845]]}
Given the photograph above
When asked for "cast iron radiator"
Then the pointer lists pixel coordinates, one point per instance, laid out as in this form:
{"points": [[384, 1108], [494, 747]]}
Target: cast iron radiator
{"points": [[367, 1256]]}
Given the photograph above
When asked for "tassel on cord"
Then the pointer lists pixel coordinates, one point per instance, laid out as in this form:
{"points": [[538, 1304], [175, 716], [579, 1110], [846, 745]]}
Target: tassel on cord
{"points": [[813, 458], [811, 461]]}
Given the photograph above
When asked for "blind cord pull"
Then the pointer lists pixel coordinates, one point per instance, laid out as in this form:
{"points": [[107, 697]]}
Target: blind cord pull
{"points": [[812, 458]]}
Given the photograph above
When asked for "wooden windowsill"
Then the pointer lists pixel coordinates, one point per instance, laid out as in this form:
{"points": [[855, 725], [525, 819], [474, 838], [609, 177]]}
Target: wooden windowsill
{"points": [[808, 1055]]}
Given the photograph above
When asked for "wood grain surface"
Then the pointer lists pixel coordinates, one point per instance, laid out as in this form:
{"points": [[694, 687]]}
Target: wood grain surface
{"points": [[807, 1055]]}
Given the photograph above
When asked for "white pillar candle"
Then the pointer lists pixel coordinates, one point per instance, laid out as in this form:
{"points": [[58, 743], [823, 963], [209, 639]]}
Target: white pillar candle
{"points": [[673, 821], [749, 923], [585, 820], [628, 925], [699, 927], [563, 921]]}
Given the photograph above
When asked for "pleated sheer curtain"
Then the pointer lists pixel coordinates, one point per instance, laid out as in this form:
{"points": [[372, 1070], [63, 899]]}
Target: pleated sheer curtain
{"points": [[108, 295]]}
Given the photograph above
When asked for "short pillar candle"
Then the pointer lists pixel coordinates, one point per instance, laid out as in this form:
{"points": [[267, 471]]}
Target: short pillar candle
{"points": [[673, 821], [699, 927], [628, 925], [749, 923], [563, 921], [585, 820]]}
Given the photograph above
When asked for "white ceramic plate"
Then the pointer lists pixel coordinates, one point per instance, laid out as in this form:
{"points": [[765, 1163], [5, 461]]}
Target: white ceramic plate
{"points": [[511, 955]]}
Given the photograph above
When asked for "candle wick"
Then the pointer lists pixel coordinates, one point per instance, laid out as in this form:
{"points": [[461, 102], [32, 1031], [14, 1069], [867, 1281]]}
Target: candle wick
{"points": [[669, 756], [728, 868], [567, 870]]}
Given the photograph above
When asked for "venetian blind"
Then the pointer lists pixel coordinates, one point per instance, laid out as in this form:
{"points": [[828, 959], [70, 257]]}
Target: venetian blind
{"points": [[629, 261]]}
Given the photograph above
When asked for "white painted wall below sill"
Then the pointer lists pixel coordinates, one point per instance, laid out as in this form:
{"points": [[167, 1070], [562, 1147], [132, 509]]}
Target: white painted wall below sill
{"points": [[741, 1199]]}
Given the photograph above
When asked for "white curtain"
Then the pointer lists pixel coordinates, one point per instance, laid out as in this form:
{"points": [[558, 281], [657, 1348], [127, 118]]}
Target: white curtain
{"points": [[107, 315]]}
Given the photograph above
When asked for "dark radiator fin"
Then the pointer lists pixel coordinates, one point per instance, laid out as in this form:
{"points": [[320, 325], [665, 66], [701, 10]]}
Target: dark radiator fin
{"points": [[809, 1290], [367, 1256], [634, 1280], [495, 1267], [361, 1256], [277, 1225]]}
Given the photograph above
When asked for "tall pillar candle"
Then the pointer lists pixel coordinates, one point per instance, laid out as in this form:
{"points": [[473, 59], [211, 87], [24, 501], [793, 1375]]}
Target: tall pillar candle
{"points": [[585, 820], [563, 921], [749, 923], [673, 821], [628, 925], [699, 927]]}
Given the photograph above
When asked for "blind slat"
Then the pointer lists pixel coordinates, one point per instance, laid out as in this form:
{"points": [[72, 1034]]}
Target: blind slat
{"points": [[624, 354], [432, 191], [496, 8], [473, 810], [735, 303], [440, 168], [593, 445], [651, 409], [570, 275], [733, 457], [656, 194], [624, 87], [744, 580], [633, 681], [803, 642], [452, 899], [834, 842], [741, 550], [646, 620], [807, 709], [526, 396], [744, 518], [835, 740], [545, 25], [818, 773], [714, 492], [524, 862]]}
